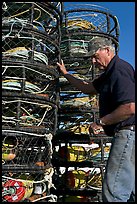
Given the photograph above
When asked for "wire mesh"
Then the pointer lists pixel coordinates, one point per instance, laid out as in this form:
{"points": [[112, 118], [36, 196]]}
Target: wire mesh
{"points": [[27, 186], [78, 102], [29, 113], [29, 45], [22, 151], [79, 179], [43, 16], [82, 24], [30, 50], [91, 17], [30, 78], [76, 122], [80, 152]]}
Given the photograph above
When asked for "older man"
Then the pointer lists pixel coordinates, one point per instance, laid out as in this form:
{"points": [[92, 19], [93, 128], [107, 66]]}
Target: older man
{"points": [[116, 89]]}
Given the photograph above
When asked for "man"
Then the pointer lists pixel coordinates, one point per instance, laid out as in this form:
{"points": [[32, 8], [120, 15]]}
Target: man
{"points": [[116, 88]]}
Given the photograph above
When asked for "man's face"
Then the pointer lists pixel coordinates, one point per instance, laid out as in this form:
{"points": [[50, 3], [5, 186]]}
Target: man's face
{"points": [[100, 58]]}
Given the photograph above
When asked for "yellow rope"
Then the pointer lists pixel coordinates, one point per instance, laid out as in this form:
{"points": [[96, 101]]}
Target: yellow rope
{"points": [[18, 14], [84, 24]]}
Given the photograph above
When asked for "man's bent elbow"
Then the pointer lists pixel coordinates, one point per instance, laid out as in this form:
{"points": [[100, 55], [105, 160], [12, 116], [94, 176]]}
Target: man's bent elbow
{"points": [[132, 108]]}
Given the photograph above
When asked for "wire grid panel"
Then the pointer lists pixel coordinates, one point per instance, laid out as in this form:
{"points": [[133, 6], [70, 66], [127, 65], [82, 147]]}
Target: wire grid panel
{"points": [[77, 122], [80, 67], [67, 87], [28, 45], [91, 17], [76, 178], [25, 151], [28, 113], [76, 44], [72, 184], [29, 187], [30, 78], [78, 102], [83, 24], [42, 16], [82, 152]]}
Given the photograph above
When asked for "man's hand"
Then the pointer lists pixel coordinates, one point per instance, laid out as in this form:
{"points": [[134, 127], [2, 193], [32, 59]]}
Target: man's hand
{"points": [[62, 67], [95, 129]]}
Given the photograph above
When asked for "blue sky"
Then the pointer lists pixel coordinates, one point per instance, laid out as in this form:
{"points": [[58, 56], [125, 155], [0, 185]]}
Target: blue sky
{"points": [[125, 12]]}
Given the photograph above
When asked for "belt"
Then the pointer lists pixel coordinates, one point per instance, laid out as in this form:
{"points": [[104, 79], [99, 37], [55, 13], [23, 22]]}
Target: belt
{"points": [[128, 127]]}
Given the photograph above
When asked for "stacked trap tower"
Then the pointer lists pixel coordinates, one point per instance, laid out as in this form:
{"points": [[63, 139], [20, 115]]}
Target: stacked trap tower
{"points": [[30, 96], [78, 158]]}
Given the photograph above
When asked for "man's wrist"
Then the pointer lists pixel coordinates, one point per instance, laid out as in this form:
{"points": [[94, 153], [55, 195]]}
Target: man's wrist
{"points": [[99, 122]]}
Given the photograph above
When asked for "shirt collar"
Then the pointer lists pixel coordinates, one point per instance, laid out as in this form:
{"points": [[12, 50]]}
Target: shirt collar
{"points": [[111, 63]]}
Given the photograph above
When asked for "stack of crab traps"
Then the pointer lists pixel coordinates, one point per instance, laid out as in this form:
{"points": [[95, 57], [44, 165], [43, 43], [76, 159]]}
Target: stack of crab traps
{"points": [[30, 95], [79, 158]]}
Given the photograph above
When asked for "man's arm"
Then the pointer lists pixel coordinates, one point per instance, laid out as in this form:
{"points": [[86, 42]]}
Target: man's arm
{"points": [[85, 87], [123, 112]]}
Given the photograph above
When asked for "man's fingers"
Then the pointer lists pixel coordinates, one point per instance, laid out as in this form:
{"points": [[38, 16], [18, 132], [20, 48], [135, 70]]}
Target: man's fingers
{"points": [[59, 64], [62, 62]]}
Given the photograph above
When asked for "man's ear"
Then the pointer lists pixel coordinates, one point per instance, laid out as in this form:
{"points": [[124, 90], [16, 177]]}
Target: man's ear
{"points": [[108, 50]]}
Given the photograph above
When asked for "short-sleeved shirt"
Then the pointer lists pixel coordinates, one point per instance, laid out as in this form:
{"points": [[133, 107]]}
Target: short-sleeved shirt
{"points": [[116, 86]]}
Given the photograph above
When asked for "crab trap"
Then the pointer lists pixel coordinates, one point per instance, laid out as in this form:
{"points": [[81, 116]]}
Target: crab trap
{"points": [[27, 187], [76, 122], [40, 16], [90, 18], [80, 68], [29, 45], [22, 40], [84, 23], [30, 94], [28, 113], [24, 150], [78, 185], [78, 102], [26, 166], [26, 77], [81, 179], [82, 153]]}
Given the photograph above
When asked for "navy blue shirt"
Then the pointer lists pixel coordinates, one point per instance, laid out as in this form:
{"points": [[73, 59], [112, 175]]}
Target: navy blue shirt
{"points": [[116, 86]]}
